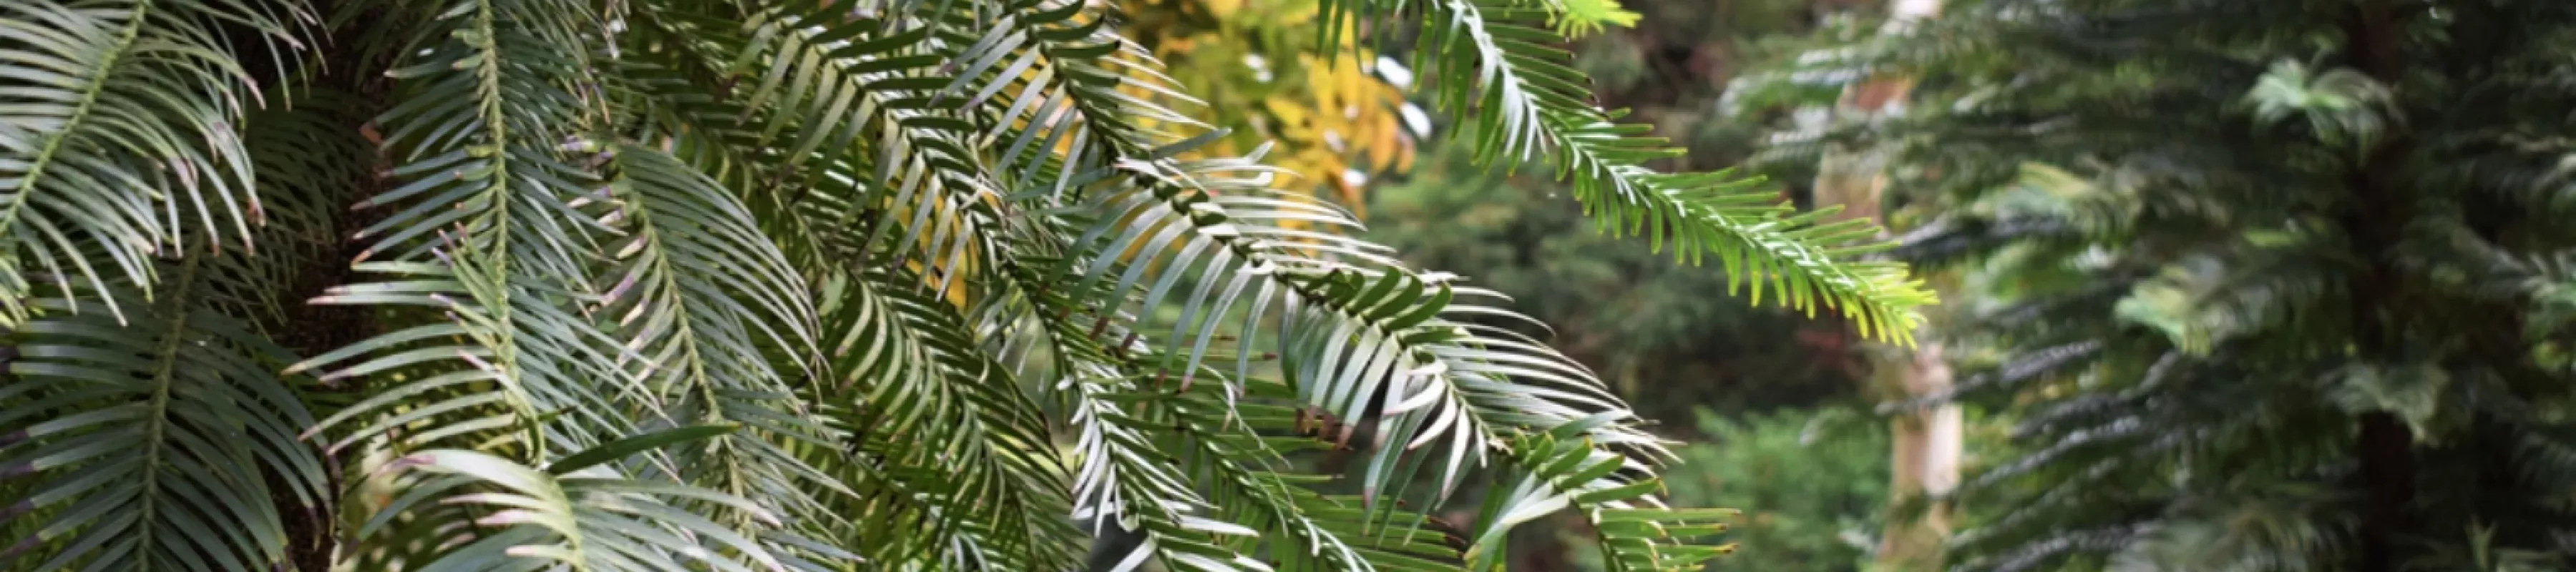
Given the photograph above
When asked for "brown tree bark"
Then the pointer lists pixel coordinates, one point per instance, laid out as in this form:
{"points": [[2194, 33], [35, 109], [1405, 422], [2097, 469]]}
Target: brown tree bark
{"points": [[1925, 445]]}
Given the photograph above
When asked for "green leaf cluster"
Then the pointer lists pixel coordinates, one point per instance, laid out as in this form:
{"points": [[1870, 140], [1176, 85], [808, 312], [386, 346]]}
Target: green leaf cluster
{"points": [[770, 285]]}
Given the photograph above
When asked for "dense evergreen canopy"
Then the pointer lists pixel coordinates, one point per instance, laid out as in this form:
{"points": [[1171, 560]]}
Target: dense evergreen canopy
{"points": [[2276, 285]]}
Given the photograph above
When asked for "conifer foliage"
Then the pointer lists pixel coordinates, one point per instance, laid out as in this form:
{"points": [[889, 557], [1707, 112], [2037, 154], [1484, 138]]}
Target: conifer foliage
{"points": [[772, 285]]}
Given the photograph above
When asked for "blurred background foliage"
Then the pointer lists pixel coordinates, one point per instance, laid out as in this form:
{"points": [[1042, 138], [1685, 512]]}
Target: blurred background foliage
{"points": [[1811, 486], [1338, 124]]}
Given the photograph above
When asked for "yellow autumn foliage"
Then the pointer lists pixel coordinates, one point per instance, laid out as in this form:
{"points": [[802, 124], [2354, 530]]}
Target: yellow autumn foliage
{"points": [[1337, 124]]}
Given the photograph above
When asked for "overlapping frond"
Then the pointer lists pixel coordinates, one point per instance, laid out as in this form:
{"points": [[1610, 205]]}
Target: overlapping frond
{"points": [[1354, 332], [1244, 448], [856, 105], [958, 466], [1357, 340], [163, 440], [592, 289], [1228, 439], [1554, 471], [748, 286], [715, 325], [574, 515], [122, 112], [145, 424], [485, 229]]}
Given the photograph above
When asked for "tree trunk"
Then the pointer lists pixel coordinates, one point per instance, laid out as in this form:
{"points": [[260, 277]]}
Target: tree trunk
{"points": [[1924, 461], [2383, 444], [1925, 444]]}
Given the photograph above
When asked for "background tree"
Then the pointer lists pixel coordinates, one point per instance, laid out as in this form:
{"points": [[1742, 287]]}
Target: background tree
{"points": [[2266, 285], [1814, 488], [1926, 444]]}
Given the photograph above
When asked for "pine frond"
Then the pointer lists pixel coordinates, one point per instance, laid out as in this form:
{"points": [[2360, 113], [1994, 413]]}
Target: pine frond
{"points": [[1243, 449], [923, 196], [489, 231], [1522, 100], [1557, 470], [1355, 342], [1125, 481], [1232, 443], [743, 286], [574, 514], [1357, 333], [167, 443], [593, 292], [958, 467], [715, 323], [122, 112]]}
